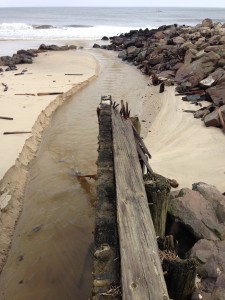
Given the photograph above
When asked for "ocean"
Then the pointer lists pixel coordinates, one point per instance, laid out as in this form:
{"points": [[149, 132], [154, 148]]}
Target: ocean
{"points": [[79, 23]]}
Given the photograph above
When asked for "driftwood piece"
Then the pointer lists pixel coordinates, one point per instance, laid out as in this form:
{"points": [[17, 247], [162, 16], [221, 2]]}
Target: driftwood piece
{"points": [[19, 74], [180, 277], [142, 276], [74, 74], [221, 118], [5, 118], [5, 87], [47, 94], [26, 94], [157, 189], [15, 132]]}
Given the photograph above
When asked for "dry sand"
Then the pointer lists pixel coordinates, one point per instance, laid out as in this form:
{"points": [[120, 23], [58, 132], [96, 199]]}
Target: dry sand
{"points": [[32, 113], [181, 146]]}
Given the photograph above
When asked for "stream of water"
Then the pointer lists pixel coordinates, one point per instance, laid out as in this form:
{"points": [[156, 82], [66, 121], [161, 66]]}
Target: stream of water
{"points": [[51, 254]]}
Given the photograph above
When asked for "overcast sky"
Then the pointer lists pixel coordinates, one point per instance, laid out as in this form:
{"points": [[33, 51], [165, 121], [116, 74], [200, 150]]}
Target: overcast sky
{"points": [[103, 3]]}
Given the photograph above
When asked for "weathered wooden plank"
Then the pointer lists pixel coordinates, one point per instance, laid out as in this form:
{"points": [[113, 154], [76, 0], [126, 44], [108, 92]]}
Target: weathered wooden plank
{"points": [[142, 276]]}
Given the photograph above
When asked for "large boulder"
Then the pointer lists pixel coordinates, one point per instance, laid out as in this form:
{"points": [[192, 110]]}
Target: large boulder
{"points": [[198, 69], [211, 269], [207, 23], [217, 93], [201, 211]]}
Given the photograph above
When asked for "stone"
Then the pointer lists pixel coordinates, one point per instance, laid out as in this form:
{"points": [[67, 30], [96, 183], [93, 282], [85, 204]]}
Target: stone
{"points": [[207, 23], [214, 40], [211, 269], [159, 35], [198, 69], [132, 50], [207, 82], [96, 45], [122, 54], [201, 215], [105, 38], [188, 45], [178, 40], [212, 119], [217, 94]]}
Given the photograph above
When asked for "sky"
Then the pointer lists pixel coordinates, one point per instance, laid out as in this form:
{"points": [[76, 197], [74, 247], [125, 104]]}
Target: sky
{"points": [[107, 3]]}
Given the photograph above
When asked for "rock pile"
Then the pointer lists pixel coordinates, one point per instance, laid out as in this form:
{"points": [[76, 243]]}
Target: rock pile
{"points": [[202, 212], [26, 56], [192, 57]]}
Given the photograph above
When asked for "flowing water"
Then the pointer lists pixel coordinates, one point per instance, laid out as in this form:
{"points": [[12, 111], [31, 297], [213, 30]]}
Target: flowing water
{"points": [[51, 254]]}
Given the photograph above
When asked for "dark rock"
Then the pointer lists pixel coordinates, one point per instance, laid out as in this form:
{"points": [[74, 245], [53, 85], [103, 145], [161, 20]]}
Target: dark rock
{"points": [[1, 70], [217, 94], [200, 210], [96, 45], [198, 69], [105, 38], [211, 257]]}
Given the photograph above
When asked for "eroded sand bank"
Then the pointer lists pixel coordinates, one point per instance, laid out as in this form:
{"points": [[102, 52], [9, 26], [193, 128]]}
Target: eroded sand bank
{"points": [[32, 113], [182, 147]]}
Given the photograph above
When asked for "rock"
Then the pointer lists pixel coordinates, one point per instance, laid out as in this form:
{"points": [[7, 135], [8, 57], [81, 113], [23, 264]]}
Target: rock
{"points": [[217, 94], [212, 119], [132, 50], [178, 40], [214, 40], [201, 215], [96, 45], [211, 257], [159, 35], [123, 54], [105, 38], [188, 45], [1, 70], [198, 69], [207, 23], [207, 82]]}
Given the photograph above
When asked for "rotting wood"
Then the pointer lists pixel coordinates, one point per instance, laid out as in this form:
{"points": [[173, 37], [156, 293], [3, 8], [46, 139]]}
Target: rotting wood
{"points": [[15, 132], [47, 94], [106, 284], [157, 189], [22, 73], [5, 87], [180, 277], [74, 74], [26, 94], [142, 275], [221, 118], [5, 118]]}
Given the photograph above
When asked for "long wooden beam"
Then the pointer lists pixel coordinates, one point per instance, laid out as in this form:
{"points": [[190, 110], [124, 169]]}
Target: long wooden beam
{"points": [[142, 276]]}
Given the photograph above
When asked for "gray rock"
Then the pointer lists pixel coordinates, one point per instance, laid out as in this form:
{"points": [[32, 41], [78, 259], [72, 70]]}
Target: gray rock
{"points": [[207, 23], [122, 54], [211, 270], [202, 215]]}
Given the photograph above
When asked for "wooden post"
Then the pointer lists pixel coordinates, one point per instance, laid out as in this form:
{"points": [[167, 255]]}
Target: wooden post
{"points": [[157, 189], [180, 277], [142, 276]]}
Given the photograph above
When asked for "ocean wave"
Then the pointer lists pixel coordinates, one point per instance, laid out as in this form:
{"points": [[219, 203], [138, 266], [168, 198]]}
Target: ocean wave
{"points": [[60, 33], [14, 26]]}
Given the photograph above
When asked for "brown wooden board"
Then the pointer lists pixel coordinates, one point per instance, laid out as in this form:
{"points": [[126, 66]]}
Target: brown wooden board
{"points": [[142, 276]]}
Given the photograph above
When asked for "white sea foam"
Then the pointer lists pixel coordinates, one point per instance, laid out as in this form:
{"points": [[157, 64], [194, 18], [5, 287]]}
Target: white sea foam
{"points": [[11, 31], [14, 26]]}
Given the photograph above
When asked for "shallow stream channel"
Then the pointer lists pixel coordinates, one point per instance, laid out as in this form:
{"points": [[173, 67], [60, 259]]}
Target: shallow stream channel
{"points": [[52, 250]]}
